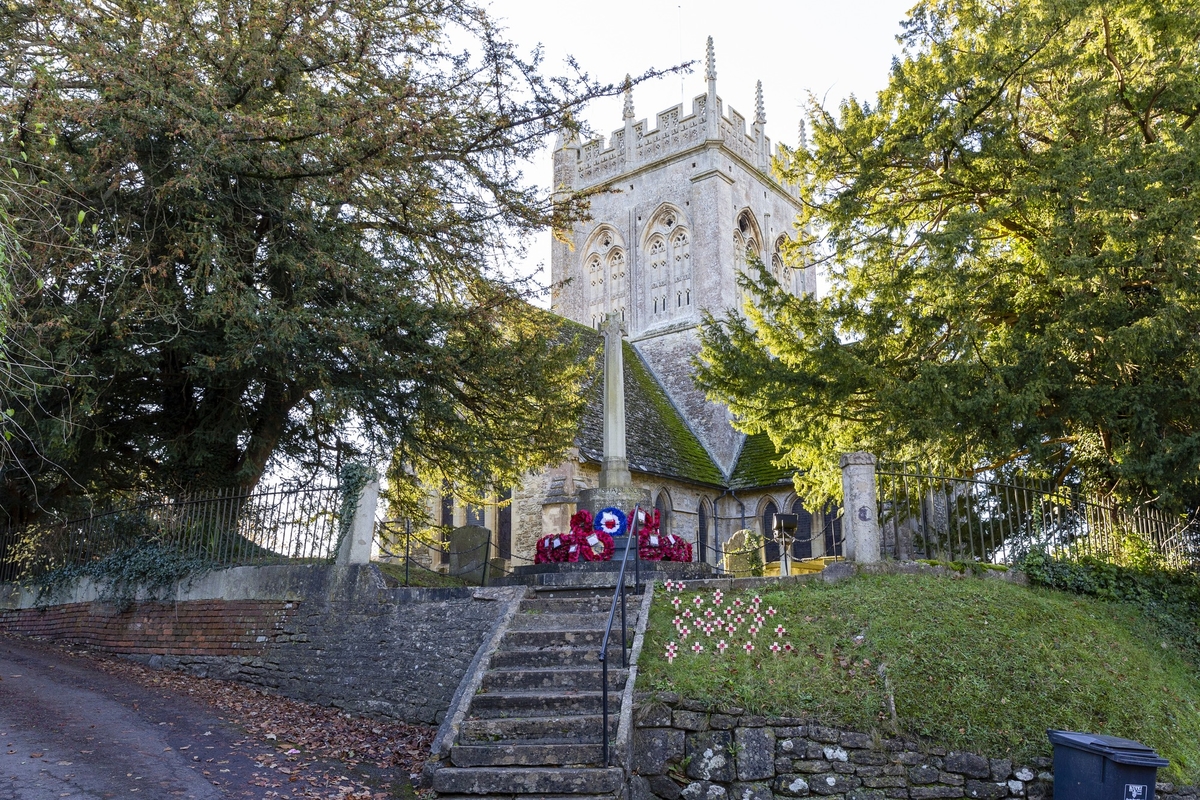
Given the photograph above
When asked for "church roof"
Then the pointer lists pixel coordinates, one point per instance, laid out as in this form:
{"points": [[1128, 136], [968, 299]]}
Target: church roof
{"points": [[755, 467], [657, 440]]}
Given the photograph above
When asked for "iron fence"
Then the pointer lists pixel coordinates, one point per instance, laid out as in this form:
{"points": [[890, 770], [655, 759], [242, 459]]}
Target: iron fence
{"points": [[970, 519], [217, 529], [414, 556]]}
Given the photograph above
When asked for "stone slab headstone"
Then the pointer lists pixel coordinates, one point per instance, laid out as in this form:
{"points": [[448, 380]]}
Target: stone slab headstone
{"points": [[739, 556], [469, 552]]}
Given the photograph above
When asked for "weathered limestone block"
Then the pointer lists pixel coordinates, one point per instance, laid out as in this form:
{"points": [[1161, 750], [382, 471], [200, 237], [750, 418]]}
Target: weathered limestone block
{"points": [[653, 715], [831, 783], [923, 774], [792, 785], [664, 787], [754, 749], [708, 756], [750, 791], [655, 748], [855, 740], [985, 790], [932, 792], [968, 764], [691, 720], [703, 790]]}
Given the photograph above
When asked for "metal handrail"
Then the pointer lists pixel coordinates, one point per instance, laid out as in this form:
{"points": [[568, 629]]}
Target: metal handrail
{"points": [[619, 592]]}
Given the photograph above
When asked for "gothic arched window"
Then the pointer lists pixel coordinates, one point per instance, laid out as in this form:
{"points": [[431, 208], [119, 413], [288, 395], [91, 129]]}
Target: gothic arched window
{"points": [[667, 285], [606, 285], [768, 526], [663, 505], [802, 545]]}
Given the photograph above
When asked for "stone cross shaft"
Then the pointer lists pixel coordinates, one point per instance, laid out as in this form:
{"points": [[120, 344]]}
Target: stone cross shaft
{"points": [[615, 471]]}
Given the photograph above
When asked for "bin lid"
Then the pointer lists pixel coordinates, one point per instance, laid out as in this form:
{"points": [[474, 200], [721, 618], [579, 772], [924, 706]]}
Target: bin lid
{"points": [[1114, 748]]}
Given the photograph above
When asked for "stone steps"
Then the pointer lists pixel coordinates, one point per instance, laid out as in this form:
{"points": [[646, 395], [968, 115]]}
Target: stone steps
{"points": [[540, 704], [584, 604], [530, 640], [567, 729], [571, 621], [511, 755], [533, 731], [556, 656], [552, 679], [527, 780]]}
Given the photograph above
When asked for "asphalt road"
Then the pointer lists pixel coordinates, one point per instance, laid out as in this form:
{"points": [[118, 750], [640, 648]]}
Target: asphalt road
{"points": [[68, 730]]}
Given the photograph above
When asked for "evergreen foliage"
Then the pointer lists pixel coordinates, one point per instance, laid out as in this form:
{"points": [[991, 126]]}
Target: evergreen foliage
{"points": [[277, 229], [1012, 244]]}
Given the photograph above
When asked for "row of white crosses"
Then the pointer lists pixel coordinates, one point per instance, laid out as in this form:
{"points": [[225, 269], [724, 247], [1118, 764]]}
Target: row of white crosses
{"points": [[721, 618]]}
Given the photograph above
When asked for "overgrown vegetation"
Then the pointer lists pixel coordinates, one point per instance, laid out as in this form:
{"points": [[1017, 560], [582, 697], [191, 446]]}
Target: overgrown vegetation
{"points": [[1009, 231], [146, 568], [418, 576], [975, 664], [1171, 599]]}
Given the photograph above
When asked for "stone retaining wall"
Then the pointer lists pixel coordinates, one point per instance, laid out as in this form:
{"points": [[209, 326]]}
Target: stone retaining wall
{"points": [[684, 750], [335, 636]]}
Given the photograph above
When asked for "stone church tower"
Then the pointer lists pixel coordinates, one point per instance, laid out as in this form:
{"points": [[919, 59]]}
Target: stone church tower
{"points": [[685, 205], [693, 197]]}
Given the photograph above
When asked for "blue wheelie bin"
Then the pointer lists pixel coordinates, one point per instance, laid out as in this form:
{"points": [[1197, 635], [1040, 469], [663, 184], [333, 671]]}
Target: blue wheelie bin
{"points": [[1090, 766]]}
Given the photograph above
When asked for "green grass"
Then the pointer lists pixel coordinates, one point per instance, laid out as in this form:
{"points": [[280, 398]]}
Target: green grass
{"points": [[422, 578], [972, 664]]}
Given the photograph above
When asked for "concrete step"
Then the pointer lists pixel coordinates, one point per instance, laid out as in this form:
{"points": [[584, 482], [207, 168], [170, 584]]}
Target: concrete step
{"points": [[573, 729], [540, 704], [531, 796], [531, 755], [593, 604], [527, 780], [556, 656], [557, 679], [571, 622], [530, 640]]}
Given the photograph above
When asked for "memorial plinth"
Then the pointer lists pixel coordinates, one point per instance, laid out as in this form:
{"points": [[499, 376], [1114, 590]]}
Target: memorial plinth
{"points": [[602, 574]]}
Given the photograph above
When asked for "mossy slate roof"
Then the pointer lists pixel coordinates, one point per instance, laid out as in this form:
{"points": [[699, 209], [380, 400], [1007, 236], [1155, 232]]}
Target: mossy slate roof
{"points": [[657, 440], [754, 468]]}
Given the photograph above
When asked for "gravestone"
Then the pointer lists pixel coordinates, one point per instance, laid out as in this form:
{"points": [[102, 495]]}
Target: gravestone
{"points": [[743, 557], [469, 552]]}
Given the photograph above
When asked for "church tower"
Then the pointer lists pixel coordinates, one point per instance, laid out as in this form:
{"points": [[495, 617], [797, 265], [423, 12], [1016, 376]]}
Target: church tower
{"points": [[693, 198]]}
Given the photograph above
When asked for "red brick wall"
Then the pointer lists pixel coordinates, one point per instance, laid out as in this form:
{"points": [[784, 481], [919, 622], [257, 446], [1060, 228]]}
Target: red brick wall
{"points": [[193, 628]]}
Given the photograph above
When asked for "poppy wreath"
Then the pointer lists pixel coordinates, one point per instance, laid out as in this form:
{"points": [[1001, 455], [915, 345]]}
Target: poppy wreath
{"points": [[553, 549], [612, 521], [650, 544], [655, 546], [584, 534]]}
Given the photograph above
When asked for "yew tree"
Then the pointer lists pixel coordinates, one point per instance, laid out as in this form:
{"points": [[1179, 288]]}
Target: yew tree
{"points": [[265, 231], [1011, 237]]}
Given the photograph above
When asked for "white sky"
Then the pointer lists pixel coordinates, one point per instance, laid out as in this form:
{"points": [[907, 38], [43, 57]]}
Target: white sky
{"points": [[832, 49]]}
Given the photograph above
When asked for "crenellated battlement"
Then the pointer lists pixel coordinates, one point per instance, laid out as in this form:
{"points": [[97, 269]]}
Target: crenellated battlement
{"points": [[636, 145]]}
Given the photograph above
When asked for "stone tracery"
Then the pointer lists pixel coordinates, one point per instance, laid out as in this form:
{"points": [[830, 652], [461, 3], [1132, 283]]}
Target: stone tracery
{"points": [[667, 282], [605, 277]]}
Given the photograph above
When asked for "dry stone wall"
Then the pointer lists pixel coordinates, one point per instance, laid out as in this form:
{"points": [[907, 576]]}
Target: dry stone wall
{"points": [[685, 751]]}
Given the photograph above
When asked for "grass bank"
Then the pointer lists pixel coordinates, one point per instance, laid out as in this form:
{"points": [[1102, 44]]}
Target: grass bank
{"points": [[973, 664]]}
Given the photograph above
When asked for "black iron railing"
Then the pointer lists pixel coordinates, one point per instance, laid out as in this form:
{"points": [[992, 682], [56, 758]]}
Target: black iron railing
{"points": [[971, 519], [619, 597], [217, 529]]}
